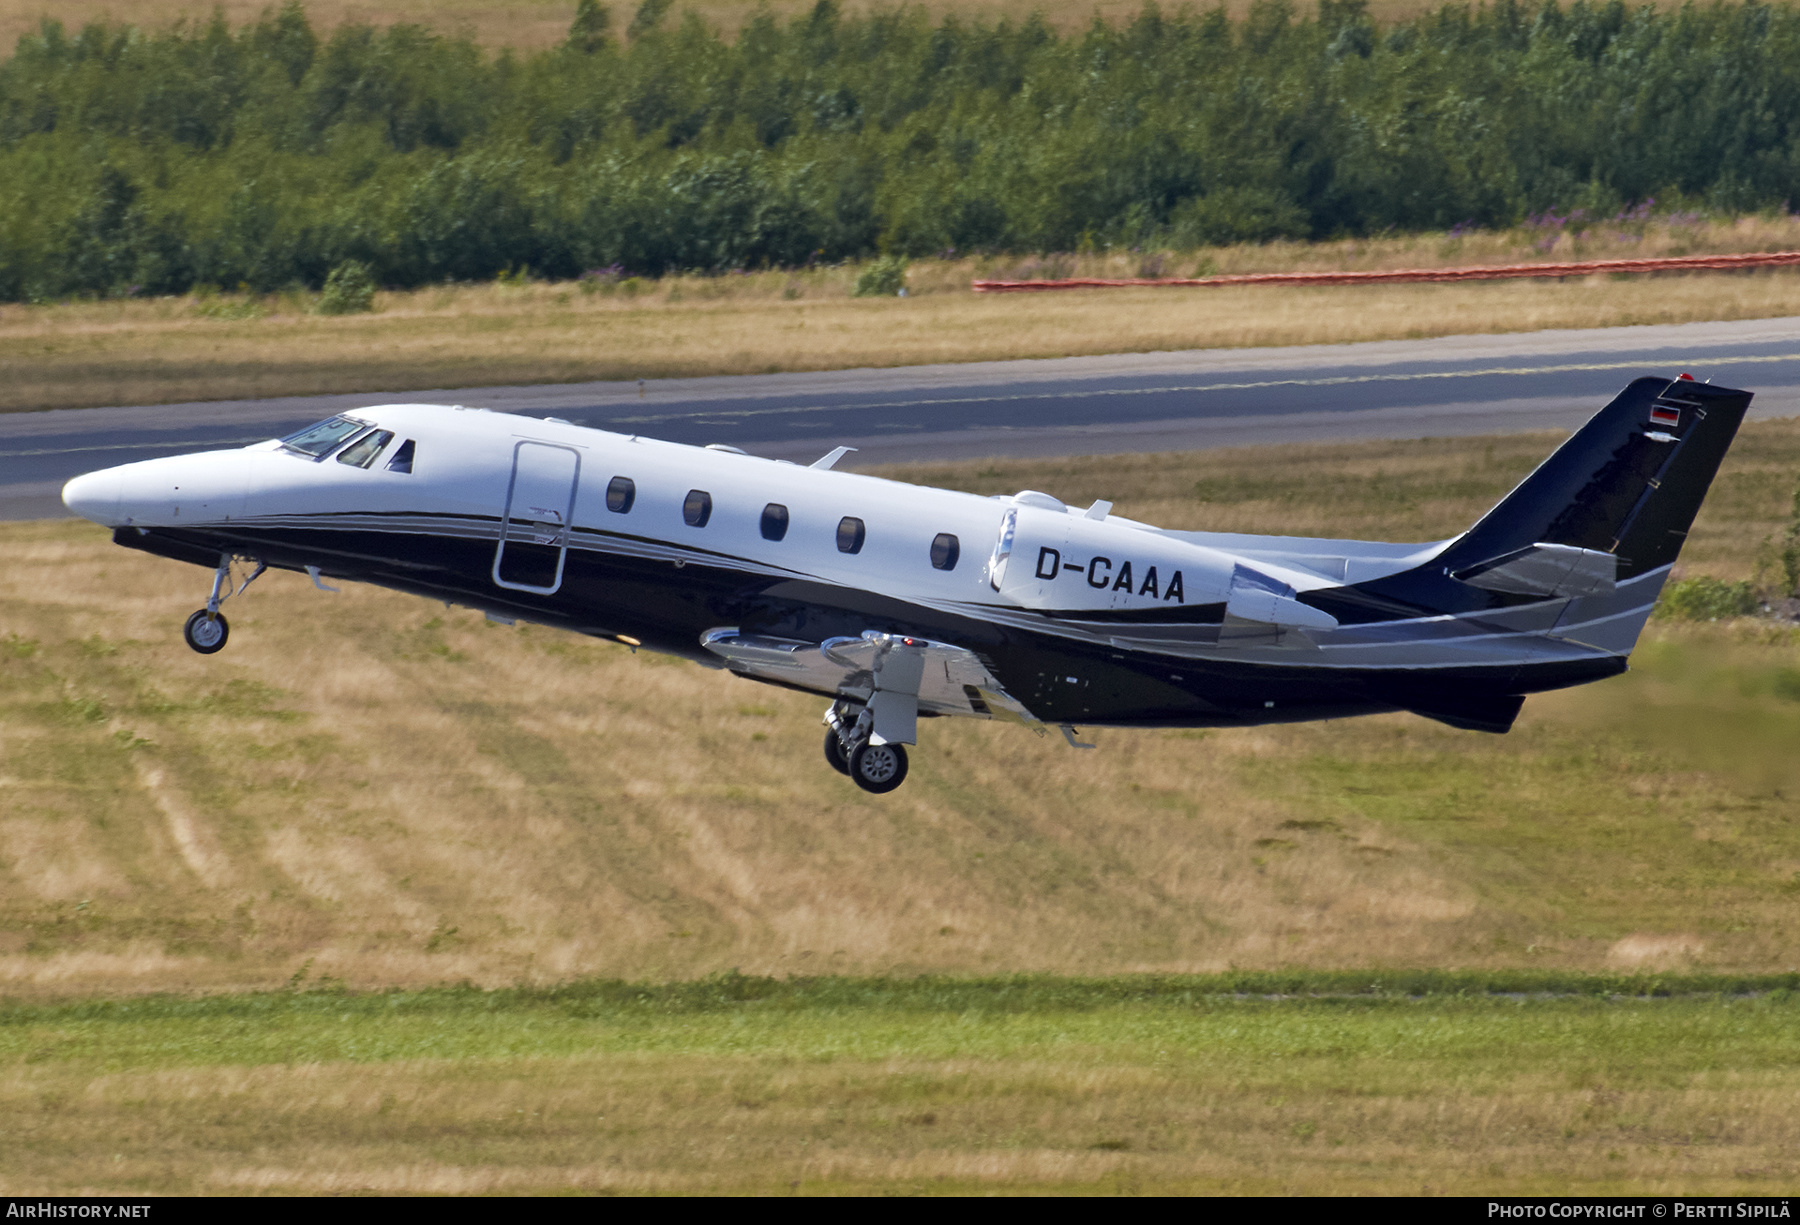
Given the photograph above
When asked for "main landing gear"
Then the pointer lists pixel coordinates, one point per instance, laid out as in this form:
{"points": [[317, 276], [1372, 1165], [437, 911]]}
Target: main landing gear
{"points": [[207, 629], [876, 768]]}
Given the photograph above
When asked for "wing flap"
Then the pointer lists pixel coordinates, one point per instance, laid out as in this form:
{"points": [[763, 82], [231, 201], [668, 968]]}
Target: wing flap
{"points": [[944, 678]]}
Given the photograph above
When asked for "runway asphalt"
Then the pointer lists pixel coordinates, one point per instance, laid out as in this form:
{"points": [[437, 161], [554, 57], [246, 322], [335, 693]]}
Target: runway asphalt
{"points": [[1066, 406]]}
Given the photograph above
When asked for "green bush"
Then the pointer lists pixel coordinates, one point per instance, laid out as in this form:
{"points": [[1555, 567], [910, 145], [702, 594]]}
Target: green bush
{"points": [[1707, 599], [349, 290], [882, 279]]}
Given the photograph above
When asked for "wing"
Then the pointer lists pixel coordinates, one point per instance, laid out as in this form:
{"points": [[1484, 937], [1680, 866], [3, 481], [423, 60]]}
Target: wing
{"points": [[888, 671]]}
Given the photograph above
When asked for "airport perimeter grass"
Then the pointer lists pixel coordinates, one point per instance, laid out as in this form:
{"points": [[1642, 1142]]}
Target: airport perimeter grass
{"points": [[368, 787], [236, 345], [366, 793], [934, 1086]]}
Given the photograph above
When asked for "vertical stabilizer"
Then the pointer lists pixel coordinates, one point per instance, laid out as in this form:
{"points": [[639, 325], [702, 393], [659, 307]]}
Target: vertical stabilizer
{"points": [[1628, 483], [1577, 553]]}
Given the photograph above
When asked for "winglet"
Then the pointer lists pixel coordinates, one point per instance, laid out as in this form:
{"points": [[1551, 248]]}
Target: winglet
{"points": [[830, 460], [1071, 735]]}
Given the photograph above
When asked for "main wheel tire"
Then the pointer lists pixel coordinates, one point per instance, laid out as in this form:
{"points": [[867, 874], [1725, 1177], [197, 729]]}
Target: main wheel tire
{"points": [[834, 752], [878, 767], [206, 634]]}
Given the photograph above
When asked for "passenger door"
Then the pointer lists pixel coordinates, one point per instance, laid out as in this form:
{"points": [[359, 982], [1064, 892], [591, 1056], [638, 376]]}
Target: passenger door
{"points": [[534, 528]]}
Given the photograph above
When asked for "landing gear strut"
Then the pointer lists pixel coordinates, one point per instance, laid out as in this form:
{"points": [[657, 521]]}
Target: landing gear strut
{"points": [[207, 630], [876, 768]]}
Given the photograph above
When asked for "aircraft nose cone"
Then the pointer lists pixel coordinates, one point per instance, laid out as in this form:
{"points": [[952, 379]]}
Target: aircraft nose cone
{"points": [[95, 496]]}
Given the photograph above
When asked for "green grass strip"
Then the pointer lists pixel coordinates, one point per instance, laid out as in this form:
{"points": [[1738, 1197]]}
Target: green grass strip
{"points": [[1013, 994]]}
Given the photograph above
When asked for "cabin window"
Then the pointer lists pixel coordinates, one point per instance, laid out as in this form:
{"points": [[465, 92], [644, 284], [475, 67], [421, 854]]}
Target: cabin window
{"points": [[697, 509], [362, 452], [403, 458], [850, 535], [317, 441], [774, 521], [945, 549], [621, 492]]}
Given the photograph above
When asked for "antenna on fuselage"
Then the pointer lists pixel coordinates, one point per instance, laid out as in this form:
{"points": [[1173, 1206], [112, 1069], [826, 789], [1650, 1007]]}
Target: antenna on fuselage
{"points": [[830, 460]]}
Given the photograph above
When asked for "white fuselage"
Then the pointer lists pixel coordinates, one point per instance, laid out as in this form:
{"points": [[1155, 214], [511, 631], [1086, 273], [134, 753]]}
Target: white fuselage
{"points": [[1061, 558]]}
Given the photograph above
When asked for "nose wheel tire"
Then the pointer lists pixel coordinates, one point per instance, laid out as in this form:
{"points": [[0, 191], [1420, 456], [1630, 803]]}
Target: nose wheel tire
{"points": [[834, 752], [878, 768], [206, 634]]}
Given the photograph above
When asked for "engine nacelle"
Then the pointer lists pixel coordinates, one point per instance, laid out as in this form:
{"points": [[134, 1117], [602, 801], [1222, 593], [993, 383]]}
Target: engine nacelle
{"points": [[1053, 560]]}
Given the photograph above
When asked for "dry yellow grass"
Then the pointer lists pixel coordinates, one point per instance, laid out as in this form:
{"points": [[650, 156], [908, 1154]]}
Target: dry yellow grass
{"points": [[368, 787], [1600, 238], [92, 353], [531, 25], [393, 793]]}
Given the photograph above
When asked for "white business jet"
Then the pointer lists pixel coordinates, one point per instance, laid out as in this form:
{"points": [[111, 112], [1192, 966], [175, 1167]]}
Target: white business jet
{"points": [[897, 601]]}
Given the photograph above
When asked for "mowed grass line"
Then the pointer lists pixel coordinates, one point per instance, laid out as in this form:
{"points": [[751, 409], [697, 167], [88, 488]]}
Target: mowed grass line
{"points": [[220, 347], [835, 1086]]}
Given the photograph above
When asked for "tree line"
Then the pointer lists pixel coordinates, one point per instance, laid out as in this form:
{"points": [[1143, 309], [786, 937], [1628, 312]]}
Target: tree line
{"points": [[136, 161]]}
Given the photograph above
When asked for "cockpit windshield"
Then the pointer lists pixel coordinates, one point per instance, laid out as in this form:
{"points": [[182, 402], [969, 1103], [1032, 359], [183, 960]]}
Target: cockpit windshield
{"points": [[318, 441]]}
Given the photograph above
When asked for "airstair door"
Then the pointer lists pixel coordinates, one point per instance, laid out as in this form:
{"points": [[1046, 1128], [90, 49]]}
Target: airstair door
{"points": [[540, 506]]}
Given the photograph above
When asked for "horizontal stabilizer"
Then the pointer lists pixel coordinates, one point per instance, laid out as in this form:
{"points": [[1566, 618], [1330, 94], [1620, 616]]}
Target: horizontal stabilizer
{"points": [[1545, 570]]}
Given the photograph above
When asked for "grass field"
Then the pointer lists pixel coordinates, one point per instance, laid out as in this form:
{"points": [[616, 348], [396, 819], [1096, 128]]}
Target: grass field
{"points": [[368, 788], [835, 1086], [232, 345], [367, 792]]}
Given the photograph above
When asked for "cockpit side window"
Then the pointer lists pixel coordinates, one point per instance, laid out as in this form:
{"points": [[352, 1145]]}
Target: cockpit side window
{"points": [[403, 458], [1002, 549], [317, 441], [362, 452]]}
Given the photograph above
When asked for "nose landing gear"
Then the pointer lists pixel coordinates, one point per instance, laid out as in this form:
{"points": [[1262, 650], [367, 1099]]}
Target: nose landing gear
{"points": [[207, 630], [876, 768]]}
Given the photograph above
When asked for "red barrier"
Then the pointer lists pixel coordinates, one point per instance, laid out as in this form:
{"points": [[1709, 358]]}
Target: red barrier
{"points": [[1488, 272]]}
